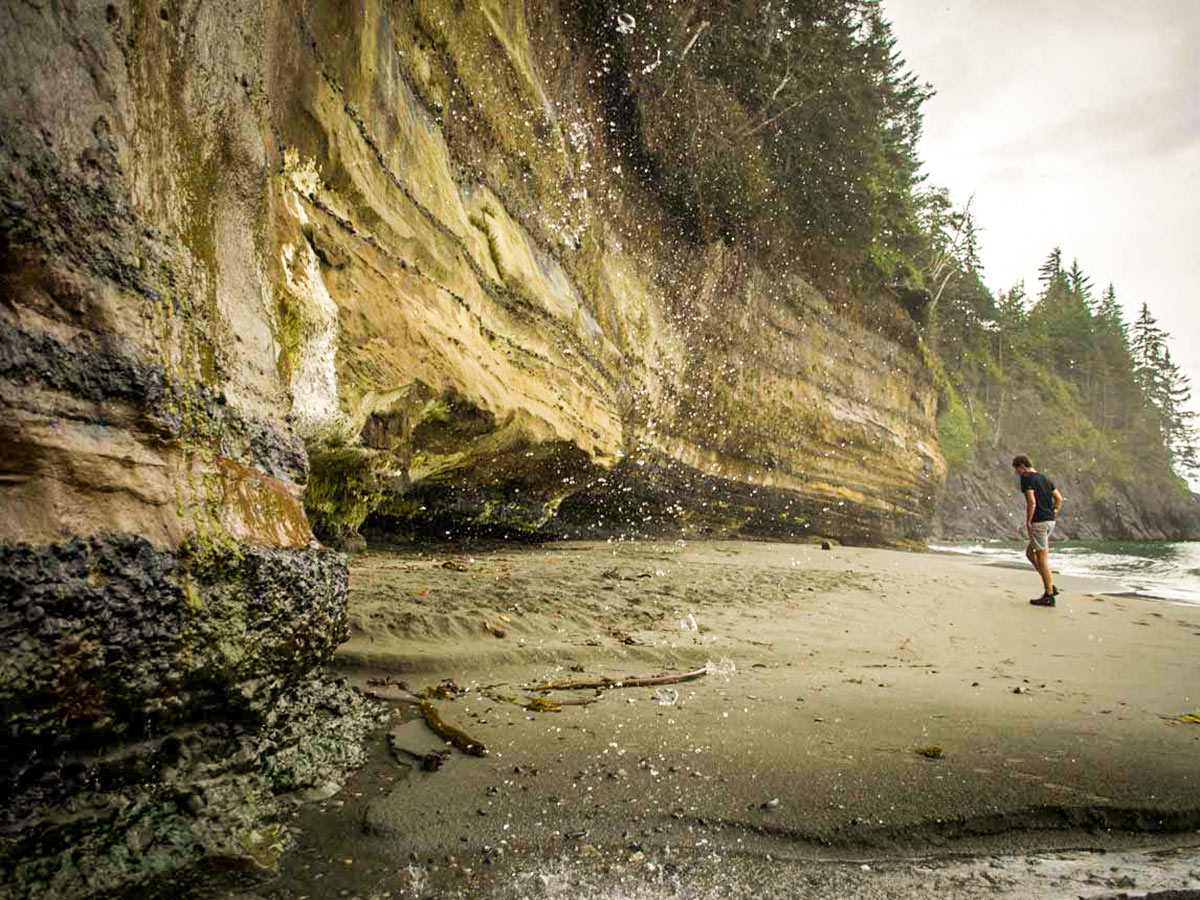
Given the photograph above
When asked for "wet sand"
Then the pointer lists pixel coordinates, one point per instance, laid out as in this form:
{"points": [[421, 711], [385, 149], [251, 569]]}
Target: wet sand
{"points": [[861, 708]]}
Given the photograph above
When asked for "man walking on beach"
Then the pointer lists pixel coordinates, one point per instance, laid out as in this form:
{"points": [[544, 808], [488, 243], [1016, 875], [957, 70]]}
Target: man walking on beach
{"points": [[1042, 504]]}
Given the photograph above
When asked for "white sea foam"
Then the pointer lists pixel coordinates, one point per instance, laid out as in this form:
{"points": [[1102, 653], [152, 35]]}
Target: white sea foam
{"points": [[1154, 569]]}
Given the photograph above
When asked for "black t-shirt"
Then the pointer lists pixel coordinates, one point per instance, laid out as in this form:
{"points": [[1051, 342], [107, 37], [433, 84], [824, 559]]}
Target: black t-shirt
{"points": [[1043, 493]]}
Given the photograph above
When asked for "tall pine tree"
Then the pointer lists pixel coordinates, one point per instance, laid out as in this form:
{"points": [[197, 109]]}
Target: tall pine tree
{"points": [[1165, 388]]}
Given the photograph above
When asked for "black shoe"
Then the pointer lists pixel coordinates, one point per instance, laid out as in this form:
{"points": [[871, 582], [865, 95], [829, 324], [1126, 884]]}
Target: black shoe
{"points": [[1054, 591], [1044, 600]]}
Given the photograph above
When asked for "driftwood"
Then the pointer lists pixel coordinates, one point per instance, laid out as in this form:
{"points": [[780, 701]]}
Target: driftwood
{"points": [[388, 690], [542, 704], [608, 683], [447, 732], [1192, 718]]}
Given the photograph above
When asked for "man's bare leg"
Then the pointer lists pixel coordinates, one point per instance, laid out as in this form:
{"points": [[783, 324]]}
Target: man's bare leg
{"points": [[1041, 562]]}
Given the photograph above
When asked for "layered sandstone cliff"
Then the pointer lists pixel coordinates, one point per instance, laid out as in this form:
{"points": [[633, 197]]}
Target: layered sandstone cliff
{"points": [[274, 267], [487, 320]]}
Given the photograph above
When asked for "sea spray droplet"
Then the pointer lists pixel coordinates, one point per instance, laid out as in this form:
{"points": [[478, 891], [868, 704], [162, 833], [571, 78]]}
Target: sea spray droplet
{"points": [[666, 696], [625, 23]]}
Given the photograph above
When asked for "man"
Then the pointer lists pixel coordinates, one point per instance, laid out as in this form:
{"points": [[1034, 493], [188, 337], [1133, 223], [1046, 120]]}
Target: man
{"points": [[1043, 501]]}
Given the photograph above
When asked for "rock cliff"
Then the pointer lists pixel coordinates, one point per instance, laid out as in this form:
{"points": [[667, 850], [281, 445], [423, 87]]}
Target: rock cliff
{"points": [[983, 501], [489, 322], [281, 267]]}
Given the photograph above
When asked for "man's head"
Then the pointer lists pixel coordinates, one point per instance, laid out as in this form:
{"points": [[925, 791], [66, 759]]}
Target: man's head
{"points": [[1022, 463]]}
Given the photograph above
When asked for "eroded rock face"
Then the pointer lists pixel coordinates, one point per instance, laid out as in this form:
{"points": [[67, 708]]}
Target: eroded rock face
{"points": [[287, 266], [985, 502], [520, 327], [159, 580]]}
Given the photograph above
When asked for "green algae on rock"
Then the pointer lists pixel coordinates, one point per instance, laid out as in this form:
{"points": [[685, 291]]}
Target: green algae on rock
{"points": [[109, 640], [214, 790]]}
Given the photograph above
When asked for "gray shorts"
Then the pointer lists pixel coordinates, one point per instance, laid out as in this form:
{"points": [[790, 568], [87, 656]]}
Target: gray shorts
{"points": [[1039, 534]]}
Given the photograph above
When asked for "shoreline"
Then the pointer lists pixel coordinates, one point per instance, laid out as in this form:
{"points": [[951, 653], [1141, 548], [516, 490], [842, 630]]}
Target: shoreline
{"points": [[1110, 584], [870, 704]]}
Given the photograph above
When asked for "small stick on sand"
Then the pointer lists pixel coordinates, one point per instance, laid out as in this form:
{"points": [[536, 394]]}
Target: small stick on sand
{"points": [[606, 683], [541, 704], [446, 732]]}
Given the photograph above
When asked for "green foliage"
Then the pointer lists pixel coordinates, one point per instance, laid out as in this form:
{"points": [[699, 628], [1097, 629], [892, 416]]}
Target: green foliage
{"points": [[956, 432], [788, 121], [1166, 389], [1061, 379], [794, 123]]}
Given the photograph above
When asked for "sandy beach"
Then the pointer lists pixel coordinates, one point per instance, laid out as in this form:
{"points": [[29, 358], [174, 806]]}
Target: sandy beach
{"points": [[867, 718]]}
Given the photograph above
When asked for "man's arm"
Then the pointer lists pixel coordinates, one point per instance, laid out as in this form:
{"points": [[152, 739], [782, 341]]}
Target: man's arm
{"points": [[1030, 506], [1058, 502]]}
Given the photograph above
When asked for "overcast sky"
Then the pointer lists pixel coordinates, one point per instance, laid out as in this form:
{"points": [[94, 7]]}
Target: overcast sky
{"points": [[1075, 123]]}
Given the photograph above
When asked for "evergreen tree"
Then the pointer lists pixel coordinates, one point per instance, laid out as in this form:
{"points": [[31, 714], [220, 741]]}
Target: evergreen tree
{"points": [[1178, 420], [1109, 314], [1116, 393], [781, 117], [1080, 284], [1051, 269], [1064, 320], [1147, 343], [1090, 393], [1165, 388], [1011, 313], [1011, 306]]}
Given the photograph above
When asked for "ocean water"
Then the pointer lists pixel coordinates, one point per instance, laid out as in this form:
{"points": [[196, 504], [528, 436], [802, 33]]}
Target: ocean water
{"points": [[1162, 570]]}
